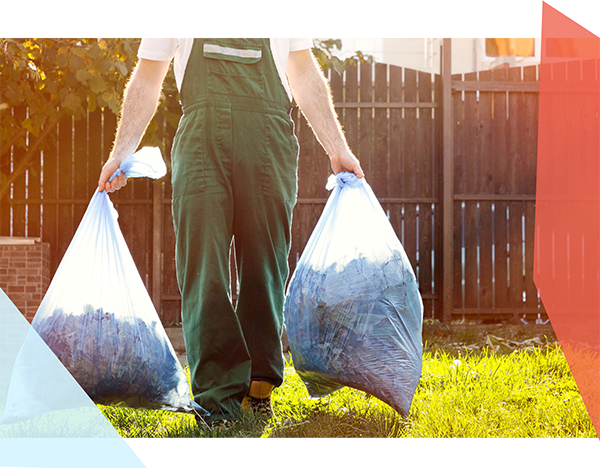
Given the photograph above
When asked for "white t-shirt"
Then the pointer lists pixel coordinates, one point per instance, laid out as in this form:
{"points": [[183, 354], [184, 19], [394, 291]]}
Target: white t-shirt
{"points": [[165, 49]]}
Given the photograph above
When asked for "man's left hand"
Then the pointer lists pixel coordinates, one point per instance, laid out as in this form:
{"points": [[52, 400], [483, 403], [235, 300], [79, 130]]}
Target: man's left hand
{"points": [[347, 162]]}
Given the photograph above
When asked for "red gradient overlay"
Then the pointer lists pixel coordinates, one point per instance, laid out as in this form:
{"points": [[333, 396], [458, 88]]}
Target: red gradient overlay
{"points": [[567, 243], [570, 18]]}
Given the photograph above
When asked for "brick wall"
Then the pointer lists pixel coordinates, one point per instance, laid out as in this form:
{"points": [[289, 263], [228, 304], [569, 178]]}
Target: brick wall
{"points": [[25, 275]]}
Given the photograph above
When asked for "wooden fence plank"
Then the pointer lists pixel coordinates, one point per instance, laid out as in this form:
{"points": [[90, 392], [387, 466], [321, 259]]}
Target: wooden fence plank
{"points": [[469, 170], [515, 161], [530, 133], [396, 177], [531, 296], [365, 144], [65, 184], [109, 125], [425, 138], [471, 186], [485, 186], [499, 155], [396, 187], [457, 214], [501, 255], [530, 129], [457, 255], [34, 226], [516, 277], [410, 153], [306, 181], [486, 285], [591, 109], [19, 220], [50, 191], [83, 177], [381, 162], [411, 167], [554, 73], [95, 161], [437, 174], [572, 178], [350, 119]]}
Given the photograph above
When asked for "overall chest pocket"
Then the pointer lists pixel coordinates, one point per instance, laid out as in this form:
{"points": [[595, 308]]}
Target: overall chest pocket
{"points": [[234, 69]]}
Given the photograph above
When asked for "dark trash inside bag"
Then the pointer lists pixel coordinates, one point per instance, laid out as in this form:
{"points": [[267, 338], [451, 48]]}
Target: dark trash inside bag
{"points": [[353, 312], [121, 362]]}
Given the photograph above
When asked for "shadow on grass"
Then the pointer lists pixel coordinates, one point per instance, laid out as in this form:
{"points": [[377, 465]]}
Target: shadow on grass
{"points": [[343, 423], [140, 423], [316, 422]]}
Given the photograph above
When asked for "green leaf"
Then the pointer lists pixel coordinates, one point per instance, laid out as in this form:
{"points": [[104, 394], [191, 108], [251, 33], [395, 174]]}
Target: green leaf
{"points": [[83, 76], [77, 63], [62, 60], [78, 51], [337, 65], [13, 95], [51, 87], [72, 102], [97, 85], [122, 68], [107, 67], [108, 96], [32, 125]]}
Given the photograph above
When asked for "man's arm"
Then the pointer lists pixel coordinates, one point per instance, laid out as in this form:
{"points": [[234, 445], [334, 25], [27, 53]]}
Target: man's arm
{"points": [[312, 93], [140, 101]]}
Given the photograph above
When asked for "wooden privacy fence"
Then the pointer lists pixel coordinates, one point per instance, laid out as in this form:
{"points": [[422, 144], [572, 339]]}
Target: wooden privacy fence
{"points": [[495, 118], [392, 117]]}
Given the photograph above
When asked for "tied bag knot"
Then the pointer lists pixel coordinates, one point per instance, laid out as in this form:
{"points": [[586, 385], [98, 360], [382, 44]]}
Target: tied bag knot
{"points": [[342, 180], [147, 162]]}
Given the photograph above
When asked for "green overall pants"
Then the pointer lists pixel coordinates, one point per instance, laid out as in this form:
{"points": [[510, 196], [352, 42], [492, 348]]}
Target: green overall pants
{"points": [[234, 165]]}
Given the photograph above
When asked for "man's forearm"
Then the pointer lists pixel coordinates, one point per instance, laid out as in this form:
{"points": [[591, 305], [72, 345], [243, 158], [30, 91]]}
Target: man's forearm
{"points": [[139, 104], [313, 96], [312, 93], [140, 101]]}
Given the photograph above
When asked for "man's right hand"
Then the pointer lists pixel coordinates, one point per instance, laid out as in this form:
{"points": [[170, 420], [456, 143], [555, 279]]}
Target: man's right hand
{"points": [[108, 170]]}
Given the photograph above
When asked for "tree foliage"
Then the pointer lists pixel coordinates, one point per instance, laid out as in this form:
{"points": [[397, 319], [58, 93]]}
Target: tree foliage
{"points": [[43, 80], [324, 52]]}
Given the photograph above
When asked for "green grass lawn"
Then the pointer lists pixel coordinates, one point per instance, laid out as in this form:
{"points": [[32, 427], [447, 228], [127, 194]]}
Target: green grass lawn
{"points": [[472, 394]]}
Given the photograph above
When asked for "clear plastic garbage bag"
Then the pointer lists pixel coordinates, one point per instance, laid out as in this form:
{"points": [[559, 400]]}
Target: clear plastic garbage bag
{"points": [[353, 312], [99, 320]]}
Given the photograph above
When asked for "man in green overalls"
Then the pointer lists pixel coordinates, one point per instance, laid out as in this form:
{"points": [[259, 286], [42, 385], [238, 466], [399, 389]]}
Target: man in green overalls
{"points": [[234, 175]]}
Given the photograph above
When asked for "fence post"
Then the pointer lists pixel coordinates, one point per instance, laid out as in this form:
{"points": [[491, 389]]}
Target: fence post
{"points": [[448, 184], [157, 245]]}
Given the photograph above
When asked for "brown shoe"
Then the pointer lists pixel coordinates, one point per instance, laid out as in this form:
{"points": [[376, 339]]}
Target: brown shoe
{"points": [[258, 399]]}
